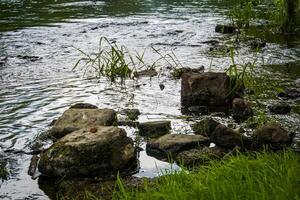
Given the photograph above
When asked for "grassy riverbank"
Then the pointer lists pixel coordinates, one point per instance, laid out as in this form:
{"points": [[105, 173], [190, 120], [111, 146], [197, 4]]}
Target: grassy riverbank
{"points": [[260, 176]]}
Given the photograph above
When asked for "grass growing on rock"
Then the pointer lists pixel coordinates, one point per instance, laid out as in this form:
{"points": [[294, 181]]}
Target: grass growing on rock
{"points": [[260, 176]]}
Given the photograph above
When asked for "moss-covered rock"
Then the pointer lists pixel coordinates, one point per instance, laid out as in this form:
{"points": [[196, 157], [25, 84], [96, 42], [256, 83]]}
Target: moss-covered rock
{"points": [[205, 127], [193, 157], [154, 128], [273, 136], [100, 151]]}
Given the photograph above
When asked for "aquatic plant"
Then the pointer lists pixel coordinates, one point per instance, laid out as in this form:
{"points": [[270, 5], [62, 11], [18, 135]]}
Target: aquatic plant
{"points": [[112, 61], [117, 63], [241, 75]]}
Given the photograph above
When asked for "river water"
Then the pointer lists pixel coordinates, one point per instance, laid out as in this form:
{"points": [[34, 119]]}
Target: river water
{"points": [[38, 41]]}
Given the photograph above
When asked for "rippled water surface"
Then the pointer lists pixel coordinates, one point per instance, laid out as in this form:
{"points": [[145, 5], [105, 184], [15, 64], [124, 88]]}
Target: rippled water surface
{"points": [[38, 41]]}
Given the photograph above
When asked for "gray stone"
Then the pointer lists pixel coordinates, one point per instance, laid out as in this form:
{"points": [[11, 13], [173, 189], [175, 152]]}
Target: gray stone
{"points": [[205, 127], [154, 128], [241, 110], [273, 136], [172, 144], [226, 137], [75, 119], [101, 151], [193, 157]]}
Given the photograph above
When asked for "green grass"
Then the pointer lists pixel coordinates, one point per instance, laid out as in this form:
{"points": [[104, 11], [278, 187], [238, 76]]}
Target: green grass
{"points": [[260, 176]]}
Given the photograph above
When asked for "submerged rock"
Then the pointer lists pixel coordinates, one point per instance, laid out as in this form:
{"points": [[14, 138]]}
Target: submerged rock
{"points": [[205, 127], [290, 94], [75, 119], [241, 110], [84, 106], [102, 151], [33, 166], [225, 29], [226, 137], [154, 128], [146, 73], [204, 89], [132, 114], [280, 108], [172, 144], [273, 136], [257, 43], [203, 155]]}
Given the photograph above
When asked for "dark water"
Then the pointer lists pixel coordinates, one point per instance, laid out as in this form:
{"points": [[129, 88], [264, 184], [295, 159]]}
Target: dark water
{"points": [[37, 52]]}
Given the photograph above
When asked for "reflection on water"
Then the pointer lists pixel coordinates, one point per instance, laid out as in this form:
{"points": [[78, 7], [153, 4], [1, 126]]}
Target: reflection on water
{"points": [[37, 84]]}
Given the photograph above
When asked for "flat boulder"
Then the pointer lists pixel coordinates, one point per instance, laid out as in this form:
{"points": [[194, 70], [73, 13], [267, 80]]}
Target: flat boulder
{"points": [[154, 128], [205, 89], [101, 151], [193, 157], [273, 136], [77, 118], [172, 144]]}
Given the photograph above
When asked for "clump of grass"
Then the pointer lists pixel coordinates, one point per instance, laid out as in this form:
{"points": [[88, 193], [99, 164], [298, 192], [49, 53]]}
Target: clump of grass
{"points": [[241, 75], [263, 176], [112, 61], [116, 63]]}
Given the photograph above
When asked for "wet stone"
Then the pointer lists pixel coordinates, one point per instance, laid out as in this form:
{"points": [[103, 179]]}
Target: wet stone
{"points": [[132, 114], [178, 72], [241, 110], [225, 29], [202, 110], [154, 128], [204, 89], [194, 157], [257, 43], [273, 136], [172, 144], [205, 127], [146, 73], [290, 93], [75, 119], [101, 153], [84, 106], [280, 108], [226, 137]]}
